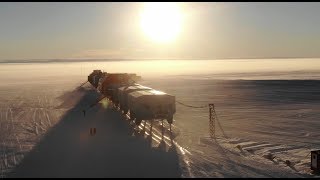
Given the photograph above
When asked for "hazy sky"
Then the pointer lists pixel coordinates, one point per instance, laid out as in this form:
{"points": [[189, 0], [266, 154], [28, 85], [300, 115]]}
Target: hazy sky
{"points": [[46, 30]]}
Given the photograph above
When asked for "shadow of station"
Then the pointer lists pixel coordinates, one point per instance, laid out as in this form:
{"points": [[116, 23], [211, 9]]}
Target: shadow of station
{"points": [[69, 150]]}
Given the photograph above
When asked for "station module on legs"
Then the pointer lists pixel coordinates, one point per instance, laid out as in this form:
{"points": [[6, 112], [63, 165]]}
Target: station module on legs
{"points": [[141, 102]]}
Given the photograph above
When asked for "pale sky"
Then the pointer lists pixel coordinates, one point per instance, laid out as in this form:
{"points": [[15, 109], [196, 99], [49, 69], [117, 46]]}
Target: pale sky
{"points": [[209, 30]]}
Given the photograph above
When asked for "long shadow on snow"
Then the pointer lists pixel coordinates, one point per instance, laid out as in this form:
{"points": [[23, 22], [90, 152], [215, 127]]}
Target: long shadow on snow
{"points": [[68, 150]]}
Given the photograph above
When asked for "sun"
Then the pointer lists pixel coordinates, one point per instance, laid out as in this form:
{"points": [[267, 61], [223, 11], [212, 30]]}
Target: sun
{"points": [[161, 21]]}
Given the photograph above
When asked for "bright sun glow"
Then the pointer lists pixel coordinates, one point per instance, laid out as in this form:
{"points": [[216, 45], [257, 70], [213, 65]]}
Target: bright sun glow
{"points": [[161, 21]]}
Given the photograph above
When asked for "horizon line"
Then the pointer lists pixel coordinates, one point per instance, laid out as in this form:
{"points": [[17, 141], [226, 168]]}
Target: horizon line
{"points": [[132, 59]]}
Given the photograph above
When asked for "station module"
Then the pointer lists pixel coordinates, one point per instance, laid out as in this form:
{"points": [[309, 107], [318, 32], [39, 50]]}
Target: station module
{"points": [[140, 102]]}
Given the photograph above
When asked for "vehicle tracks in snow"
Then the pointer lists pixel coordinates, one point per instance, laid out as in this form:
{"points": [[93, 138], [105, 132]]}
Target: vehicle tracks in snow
{"points": [[291, 156]]}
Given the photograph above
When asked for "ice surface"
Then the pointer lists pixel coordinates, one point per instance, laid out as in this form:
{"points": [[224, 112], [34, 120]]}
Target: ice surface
{"points": [[266, 128]]}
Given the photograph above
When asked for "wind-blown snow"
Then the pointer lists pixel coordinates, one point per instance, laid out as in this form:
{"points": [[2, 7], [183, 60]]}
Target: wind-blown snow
{"points": [[266, 128]]}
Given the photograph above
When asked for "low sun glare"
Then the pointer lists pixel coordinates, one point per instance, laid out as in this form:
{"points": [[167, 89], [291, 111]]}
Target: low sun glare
{"points": [[161, 22]]}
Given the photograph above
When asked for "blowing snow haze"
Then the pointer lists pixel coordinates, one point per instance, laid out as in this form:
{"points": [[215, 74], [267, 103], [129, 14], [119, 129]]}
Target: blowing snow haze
{"points": [[227, 89]]}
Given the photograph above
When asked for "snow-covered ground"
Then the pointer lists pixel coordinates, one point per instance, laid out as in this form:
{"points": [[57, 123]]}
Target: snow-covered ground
{"points": [[265, 128]]}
